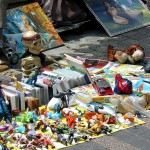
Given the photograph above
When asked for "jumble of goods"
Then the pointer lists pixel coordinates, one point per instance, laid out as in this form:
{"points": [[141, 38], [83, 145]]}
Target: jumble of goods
{"points": [[72, 100]]}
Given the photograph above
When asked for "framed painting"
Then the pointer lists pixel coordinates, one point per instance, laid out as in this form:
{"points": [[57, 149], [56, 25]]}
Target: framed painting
{"points": [[119, 16], [29, 18]]}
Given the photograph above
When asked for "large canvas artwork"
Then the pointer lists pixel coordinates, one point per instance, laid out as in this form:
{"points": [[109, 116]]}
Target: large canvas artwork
{"points": [[119, 16], [29, 18]]}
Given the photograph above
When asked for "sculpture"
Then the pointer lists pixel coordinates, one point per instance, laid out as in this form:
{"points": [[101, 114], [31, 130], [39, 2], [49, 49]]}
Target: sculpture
{"points": [[33, 56]]}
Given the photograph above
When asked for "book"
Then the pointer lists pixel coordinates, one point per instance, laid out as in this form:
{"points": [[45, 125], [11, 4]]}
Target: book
{"points": [[13, 99], [78, 65], [127, 68], [45, 96], [20, 93], [93, 66], [87, 94]]}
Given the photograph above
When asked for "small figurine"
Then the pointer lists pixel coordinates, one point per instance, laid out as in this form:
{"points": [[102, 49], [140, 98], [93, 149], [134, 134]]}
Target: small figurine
{"points": [[33, 104], [17, 85], [4, 112], [46, 140], [60, 138], [57, 112], [33, 76], [129, 116], [101, 108], [65, 99], [71, 120], [3, 126], [20, 129], [13, 123]]}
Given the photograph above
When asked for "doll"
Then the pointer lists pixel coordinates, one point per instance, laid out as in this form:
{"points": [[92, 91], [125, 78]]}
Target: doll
{"points": [[33, 56], [4, 112], [133, 54]]}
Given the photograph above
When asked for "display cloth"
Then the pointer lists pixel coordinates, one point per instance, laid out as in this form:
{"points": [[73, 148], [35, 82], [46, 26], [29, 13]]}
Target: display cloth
{"points": [[59, 145]]}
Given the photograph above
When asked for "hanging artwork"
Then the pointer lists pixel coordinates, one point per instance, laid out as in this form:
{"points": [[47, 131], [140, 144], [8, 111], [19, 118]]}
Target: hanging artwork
{"points": [[119, 16], [29, 18]]}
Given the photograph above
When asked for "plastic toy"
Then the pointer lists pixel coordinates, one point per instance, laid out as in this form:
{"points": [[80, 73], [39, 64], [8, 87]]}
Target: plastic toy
{"points": [[65, 99], [57, 112], [39, 124], [60, 138], [33, 76], [33, 56], [105, 129], [4, 126], [13, 123], [17, 85], [101, 108], [32, 104], [71, 120], [59, 127], [122, 86], [129, 116], [15, 112], [4, 112], [132, 54], [20, 129]]}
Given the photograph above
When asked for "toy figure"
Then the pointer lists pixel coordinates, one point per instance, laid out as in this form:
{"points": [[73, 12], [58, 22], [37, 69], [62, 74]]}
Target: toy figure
{"points": [[17, 85], [71, 120], [3, 126], [71, 136], [20, 129], [4, 112], [33, 104], [13, 123], [33, 56], [65, 99], [132, 54], [57, 112], [33, 76], [122, 86], [105, 129], [101, 108], [60, 138], [46, 140], [39, 124]]}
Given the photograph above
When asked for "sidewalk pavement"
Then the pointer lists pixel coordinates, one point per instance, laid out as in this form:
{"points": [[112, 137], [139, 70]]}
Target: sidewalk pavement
{"points": [[92, 43]]}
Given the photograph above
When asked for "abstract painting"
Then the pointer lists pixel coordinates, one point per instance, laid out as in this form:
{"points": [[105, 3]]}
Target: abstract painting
{"points": [[119, 16], [29, 18]]}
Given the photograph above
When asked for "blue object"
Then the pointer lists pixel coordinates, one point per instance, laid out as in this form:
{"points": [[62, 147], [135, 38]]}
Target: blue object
{"points": [[33, 76], [57, 112], [20, 129]]}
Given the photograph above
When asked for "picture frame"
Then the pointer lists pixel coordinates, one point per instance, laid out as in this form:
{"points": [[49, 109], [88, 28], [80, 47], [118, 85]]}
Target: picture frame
{"points": [[29, 17], [119, 16]]}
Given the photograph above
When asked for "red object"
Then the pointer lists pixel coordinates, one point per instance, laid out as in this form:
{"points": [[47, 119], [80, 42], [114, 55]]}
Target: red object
{"points": [[102, 87], [122, 86], [48, 142], [70, 122], [112, 120]]}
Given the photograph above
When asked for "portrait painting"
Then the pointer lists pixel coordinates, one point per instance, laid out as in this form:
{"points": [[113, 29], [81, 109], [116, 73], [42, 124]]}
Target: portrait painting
{"points": [[119, 16], [29, 18]]}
